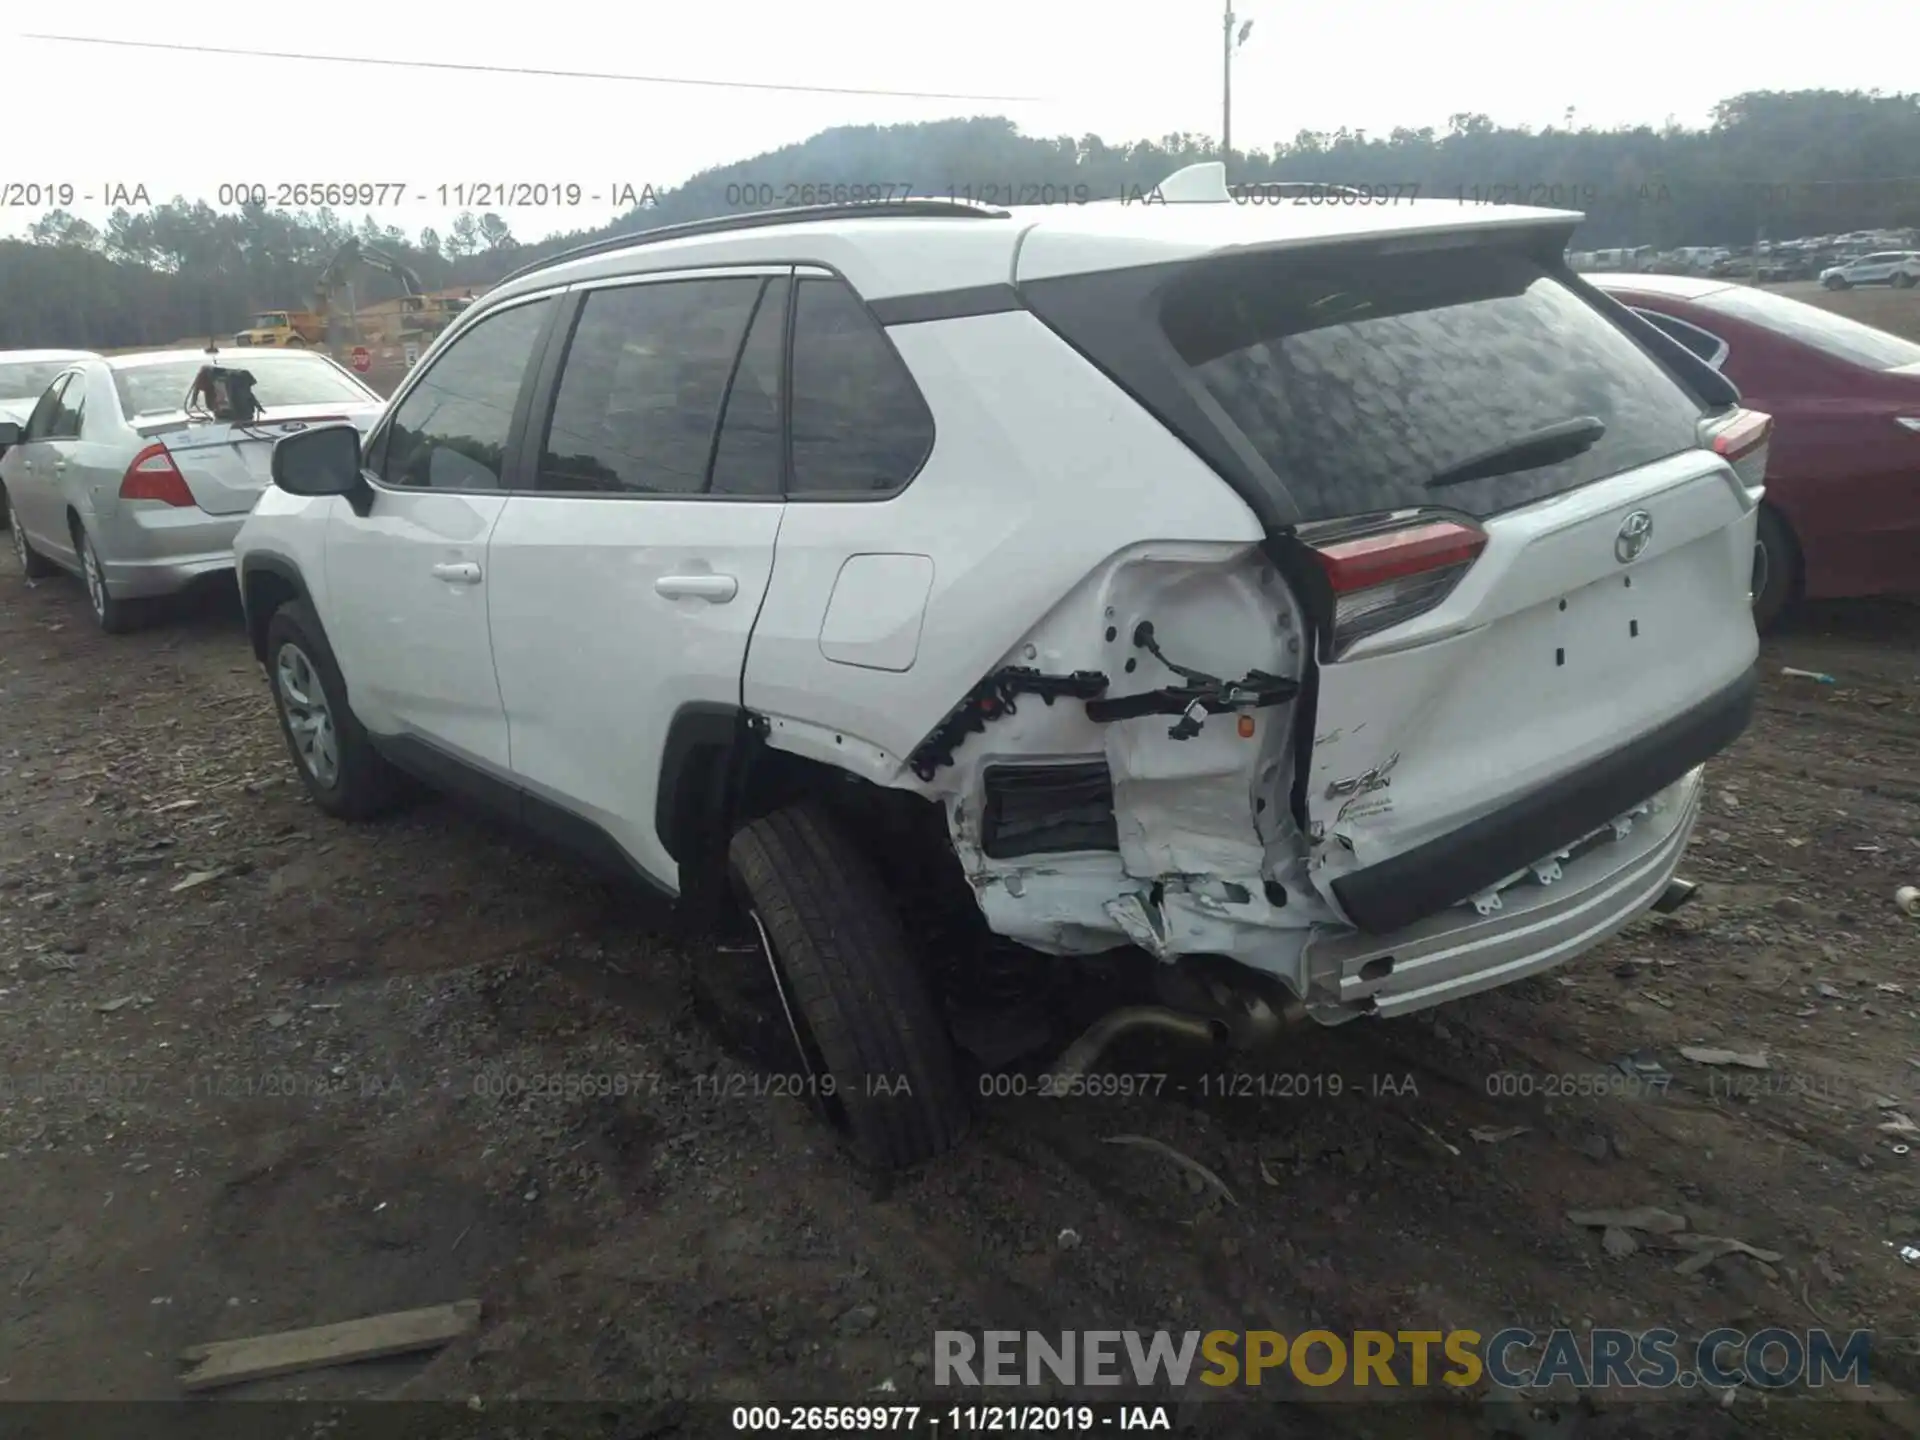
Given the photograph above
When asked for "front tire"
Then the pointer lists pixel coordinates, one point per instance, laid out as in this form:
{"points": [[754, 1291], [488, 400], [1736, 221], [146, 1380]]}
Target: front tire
{"points": [[342, 773], [858, 1003], [1837, 283], [1776, 566]]}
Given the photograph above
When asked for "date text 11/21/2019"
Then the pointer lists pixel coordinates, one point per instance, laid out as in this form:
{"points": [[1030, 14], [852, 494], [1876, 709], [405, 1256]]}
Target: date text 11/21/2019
{"points": [[954, 1419]]}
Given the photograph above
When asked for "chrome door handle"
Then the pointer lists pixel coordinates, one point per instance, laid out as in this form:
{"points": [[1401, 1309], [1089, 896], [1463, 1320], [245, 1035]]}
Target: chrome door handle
{"points": [[60, 466], [717, 588], [458, 572]]}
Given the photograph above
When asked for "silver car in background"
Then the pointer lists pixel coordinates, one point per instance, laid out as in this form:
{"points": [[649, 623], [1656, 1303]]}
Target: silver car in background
{"points": [[126, 475]]}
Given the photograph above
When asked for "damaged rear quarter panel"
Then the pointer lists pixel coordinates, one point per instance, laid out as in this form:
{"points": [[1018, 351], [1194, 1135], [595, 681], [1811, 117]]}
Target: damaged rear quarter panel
{"points": [[1041, 472]]}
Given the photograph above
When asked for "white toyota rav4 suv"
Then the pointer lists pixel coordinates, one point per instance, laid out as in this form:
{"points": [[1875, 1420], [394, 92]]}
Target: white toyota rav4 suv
{"points": [[1336, 602]]}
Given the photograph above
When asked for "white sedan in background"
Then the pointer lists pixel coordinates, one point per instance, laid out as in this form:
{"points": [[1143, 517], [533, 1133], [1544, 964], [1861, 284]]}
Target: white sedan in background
{"points": [[134, 473]]}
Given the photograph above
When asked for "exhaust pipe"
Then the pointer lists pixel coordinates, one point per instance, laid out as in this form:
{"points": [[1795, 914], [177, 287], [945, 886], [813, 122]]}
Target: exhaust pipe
{"points": [[1258, 1023], [1677, 893]]}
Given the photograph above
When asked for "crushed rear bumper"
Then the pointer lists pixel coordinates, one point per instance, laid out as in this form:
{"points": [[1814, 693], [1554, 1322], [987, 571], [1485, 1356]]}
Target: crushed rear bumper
{"points": [[1429, 879], [1612, 879]]}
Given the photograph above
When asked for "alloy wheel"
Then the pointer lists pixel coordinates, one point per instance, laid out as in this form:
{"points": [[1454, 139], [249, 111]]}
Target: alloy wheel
{"points": [[309, 719], [96, 582], [20, 544]]}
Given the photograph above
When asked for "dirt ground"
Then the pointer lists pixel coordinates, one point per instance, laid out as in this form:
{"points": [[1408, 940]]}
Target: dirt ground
{"points": [[260, 1070]]}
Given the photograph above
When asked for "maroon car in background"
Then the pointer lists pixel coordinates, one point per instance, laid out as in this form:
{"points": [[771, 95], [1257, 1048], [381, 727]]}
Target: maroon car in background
{"points": [[1842, 513]]}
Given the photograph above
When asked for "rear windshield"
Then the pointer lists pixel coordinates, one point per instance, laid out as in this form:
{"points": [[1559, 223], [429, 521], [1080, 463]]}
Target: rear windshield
{"points": [[277, 380], [1836, 335], [28, 380], [1360, 378]]}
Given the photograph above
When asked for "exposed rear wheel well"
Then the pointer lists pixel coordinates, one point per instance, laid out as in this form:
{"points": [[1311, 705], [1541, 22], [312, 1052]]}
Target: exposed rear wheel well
{"points": [[718, 775]]}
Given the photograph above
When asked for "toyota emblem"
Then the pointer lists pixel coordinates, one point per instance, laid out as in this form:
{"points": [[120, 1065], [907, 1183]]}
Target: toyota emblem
{"points": [[1635, 531]]}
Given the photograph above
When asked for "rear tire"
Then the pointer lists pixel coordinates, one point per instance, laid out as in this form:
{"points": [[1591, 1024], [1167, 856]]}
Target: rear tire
{"points": [[1777, 571], [342, 772], [1903, 282], [859, 1005], [114, 616], [33, 565]]}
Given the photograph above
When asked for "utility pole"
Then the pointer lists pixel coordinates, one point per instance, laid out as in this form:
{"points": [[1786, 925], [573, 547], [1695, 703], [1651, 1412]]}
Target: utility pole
{"points": [[1230, 42], [1226, 85]]}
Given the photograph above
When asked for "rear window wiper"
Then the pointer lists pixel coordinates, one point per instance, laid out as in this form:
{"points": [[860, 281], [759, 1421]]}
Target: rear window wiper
{"points": [[1548, 445]]}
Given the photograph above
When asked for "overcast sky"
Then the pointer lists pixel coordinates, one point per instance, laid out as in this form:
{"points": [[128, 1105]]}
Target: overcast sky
{"points": [[177, 123]]}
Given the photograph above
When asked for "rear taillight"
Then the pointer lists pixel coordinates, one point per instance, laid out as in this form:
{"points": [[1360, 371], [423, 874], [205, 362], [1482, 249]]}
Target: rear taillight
{"points": [[154, 476], [1390, 573], [1743, 436]]}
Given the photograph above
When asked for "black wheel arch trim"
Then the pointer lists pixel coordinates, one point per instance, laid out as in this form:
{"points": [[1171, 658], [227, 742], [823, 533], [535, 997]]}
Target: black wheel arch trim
{"points": [[696, 800], [1443, 872], [281, 567]]}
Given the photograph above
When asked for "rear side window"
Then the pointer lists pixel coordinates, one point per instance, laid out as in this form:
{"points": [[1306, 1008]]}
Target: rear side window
{"points": [[450, 432], [1709, 348], [1360, 379], [860, 426], [638, 408], [68, 419]]}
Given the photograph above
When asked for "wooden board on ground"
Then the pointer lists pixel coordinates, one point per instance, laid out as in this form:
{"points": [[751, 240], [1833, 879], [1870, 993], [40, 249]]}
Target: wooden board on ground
{"points": [[229, 1362]]}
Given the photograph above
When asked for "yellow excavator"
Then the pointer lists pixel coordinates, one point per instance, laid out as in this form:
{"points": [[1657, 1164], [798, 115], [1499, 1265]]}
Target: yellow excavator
{"points": [[422, 316]]}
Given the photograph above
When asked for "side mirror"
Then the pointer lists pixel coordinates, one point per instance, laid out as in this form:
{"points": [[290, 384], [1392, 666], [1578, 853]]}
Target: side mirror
{"points": [[321, 461], [9, 434]]}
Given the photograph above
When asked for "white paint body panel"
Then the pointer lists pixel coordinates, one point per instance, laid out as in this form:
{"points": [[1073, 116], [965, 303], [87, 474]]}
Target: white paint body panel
{"points": [[594, 662], [874, 615], [1002, 507], [1549, 654], [414, 643]]}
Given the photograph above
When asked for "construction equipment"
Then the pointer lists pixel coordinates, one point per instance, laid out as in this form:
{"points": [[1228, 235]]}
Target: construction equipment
{"points": [[283, 329], [422, 316]]}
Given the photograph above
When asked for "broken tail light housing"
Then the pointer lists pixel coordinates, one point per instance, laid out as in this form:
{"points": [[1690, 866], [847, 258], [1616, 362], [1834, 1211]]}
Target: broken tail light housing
{"points": [[1385, 572], [1743, 436], [154, 476]]}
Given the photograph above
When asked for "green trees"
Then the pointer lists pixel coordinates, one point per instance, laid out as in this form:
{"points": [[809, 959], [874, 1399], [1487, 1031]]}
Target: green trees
{"points": [[1769, 164]]}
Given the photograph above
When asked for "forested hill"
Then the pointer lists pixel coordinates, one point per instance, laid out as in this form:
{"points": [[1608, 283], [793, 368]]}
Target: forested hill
{"points": [[1778, 165]]}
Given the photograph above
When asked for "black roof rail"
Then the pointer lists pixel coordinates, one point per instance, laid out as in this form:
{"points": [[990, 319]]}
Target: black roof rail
{"points": [[928, 209]]}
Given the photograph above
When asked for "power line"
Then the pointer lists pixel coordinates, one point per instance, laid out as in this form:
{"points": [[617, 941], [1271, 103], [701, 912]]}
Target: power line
{"points": [[529, 70]]}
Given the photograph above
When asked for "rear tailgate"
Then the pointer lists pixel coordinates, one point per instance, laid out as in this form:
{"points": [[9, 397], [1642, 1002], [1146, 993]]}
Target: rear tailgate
{"points": [[227, 466], [1587, 640], [1530, 566]]}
